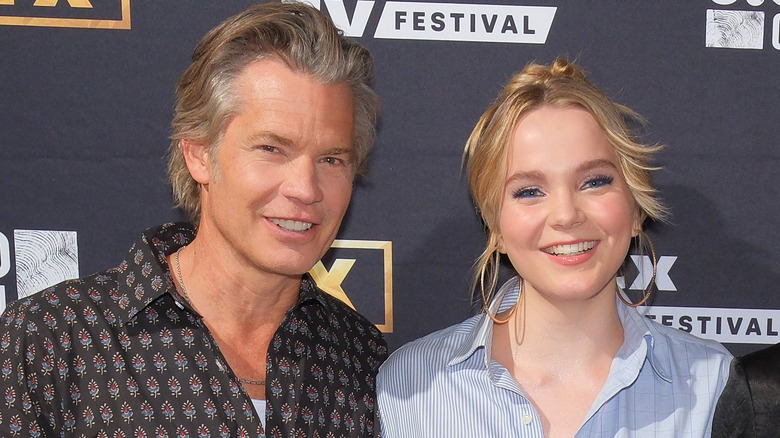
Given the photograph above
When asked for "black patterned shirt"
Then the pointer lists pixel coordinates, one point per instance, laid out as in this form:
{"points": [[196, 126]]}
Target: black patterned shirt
{"points": [[119, 354]]}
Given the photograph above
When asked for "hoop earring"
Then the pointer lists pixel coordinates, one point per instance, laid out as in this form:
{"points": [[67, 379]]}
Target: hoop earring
{"points": [[648, 291], [496, 259]]}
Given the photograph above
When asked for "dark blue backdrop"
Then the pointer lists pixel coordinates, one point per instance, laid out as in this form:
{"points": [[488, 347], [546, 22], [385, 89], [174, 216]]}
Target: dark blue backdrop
{"points": [[86, 97]]}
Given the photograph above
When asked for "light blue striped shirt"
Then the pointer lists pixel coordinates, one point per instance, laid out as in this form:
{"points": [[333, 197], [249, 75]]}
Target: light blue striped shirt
{"points": [[662, 383]]}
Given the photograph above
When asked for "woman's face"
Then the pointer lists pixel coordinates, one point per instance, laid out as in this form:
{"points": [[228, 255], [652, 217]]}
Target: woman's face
{"points": [[567, 215]]}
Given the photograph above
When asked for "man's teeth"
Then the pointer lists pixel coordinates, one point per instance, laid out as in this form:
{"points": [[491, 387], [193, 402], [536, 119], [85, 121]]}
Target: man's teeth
{"points": [[291, 225], [571, 249]]}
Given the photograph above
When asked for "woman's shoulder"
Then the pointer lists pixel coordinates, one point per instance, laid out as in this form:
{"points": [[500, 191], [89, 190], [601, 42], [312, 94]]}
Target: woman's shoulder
{"points": [[433, 351], [681, 346]]}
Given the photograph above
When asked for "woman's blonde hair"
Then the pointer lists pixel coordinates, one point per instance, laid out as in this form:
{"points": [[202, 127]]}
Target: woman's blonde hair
{"points": [[560, 84]]}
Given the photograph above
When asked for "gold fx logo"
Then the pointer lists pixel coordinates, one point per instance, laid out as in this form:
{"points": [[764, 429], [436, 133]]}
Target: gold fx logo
{"points": [[42, 10], [332, 281]]}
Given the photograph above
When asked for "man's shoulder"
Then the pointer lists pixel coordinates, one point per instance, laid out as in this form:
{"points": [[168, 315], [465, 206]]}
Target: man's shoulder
{"points": [[49, 320], [762, 365], [351, 329], [764, 355], [346, 314], [75, 294], [112, 294]]}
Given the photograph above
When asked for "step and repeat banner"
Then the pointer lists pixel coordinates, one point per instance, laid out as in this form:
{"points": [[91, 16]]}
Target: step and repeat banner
{"points": [[86, 97]]}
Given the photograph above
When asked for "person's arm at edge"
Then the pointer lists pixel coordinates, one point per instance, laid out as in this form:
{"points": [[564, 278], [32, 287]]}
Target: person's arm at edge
{"points": [[734, 415]]}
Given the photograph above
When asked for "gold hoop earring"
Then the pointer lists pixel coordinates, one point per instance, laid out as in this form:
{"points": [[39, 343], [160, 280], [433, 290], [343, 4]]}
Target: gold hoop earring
{"points": [[496, 260], [648, 291]]}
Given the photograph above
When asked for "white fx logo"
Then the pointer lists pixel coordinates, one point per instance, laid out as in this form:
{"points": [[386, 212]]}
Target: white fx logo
{"points": [[645, 267]]}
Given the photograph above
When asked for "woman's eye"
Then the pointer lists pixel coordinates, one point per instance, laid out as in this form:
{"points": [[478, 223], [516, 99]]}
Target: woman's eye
{"points": [[530, 192], [596, 182]]}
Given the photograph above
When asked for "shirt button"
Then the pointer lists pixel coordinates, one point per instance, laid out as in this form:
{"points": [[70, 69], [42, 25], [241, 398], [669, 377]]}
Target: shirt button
{"points": [[526, 419]]}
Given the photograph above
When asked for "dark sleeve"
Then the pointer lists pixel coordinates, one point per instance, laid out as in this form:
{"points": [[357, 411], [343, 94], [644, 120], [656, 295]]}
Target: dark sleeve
{"points": [[381, 357], [762, 373], [734, 416], [18, 417]]}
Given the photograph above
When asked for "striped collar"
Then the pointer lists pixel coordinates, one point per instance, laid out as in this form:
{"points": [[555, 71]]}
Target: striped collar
{"points": [[641, 340]]}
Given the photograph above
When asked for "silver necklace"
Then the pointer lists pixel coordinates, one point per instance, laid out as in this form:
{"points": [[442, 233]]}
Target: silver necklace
{"points": [[251, 382], [181, 281], [187, 297]]}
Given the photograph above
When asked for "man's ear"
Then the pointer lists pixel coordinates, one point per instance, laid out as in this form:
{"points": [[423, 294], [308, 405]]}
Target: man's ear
{"points": [[198, 160]]}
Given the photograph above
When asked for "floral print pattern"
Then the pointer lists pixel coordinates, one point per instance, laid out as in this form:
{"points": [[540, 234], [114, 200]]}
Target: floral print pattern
{"points": [[120, 354]]}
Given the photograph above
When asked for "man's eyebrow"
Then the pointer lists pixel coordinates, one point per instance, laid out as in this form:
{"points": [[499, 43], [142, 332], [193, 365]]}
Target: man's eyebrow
{"points": [[272, 138], [340, 151]]}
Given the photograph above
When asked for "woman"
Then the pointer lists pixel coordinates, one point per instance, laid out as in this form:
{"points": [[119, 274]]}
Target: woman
{"points": [[563, 189]]}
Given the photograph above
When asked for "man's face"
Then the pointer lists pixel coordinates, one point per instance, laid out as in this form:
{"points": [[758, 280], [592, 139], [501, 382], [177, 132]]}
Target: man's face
{"points": [[281, 179]]}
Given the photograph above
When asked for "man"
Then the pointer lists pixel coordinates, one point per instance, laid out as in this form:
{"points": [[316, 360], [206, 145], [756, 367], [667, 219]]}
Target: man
{"points": [[204, 327]]}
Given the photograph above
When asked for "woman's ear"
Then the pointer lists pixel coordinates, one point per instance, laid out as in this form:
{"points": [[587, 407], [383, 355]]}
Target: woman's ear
{"points": [[500, 244], [637, 220], [198, 159]]}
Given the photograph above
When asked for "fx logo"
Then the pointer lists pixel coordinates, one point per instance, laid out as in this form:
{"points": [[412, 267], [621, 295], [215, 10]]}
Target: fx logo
{"points": [[88, 14], [645, 266], [364, 268]]}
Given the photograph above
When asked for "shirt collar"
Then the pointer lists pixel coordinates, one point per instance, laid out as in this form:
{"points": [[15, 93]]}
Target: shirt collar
{"points": [[637, 330], [640, 340], [482, 325], [310, 292], [144, 276]]}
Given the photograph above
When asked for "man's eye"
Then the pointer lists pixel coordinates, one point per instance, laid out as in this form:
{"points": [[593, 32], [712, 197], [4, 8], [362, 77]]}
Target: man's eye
{"points": [[333, 160]]}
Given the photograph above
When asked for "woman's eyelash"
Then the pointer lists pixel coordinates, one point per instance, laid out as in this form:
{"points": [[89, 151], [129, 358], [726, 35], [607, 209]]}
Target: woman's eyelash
{"points": [[598, 181], [528, 192], [591, 183]]}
